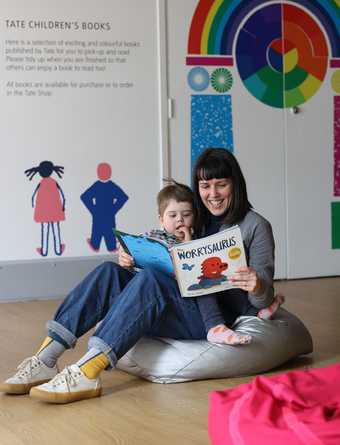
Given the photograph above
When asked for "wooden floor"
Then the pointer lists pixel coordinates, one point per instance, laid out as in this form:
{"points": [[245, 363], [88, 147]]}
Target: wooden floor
{"points": [[133, 411]]}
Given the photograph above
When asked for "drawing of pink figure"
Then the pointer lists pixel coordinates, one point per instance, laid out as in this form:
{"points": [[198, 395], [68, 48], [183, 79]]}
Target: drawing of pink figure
{"points": [[48, 201]]}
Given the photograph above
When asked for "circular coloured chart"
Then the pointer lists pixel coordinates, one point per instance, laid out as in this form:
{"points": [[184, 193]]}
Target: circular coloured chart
{"points": [[221, 80], [282, 55], [198, 78]]}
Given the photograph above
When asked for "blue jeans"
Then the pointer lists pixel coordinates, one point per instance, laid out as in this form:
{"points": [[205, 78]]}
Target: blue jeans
{"points": [[129, 306]]}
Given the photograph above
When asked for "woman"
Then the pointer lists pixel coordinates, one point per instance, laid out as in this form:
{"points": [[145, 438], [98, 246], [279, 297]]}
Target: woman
{"points": [[149, 303], [222, 202]]}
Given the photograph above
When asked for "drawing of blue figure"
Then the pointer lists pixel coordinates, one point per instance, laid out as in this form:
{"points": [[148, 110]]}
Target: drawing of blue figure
{"points": [[103, 200]]}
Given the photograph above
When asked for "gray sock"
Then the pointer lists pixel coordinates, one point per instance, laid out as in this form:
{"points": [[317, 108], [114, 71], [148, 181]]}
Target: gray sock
{"points": [[50, 351]]}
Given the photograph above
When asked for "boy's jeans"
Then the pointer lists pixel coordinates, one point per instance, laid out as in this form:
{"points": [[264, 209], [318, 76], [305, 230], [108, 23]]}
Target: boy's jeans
{"points": [[130, 305]]}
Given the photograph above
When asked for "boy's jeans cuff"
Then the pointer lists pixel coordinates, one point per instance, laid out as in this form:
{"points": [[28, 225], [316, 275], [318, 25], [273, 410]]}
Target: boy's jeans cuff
{"points": [[69, 340], [98, 343]]}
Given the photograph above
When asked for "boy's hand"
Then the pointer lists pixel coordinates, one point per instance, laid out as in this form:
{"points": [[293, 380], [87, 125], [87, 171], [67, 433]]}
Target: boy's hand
{"points": [[185, 232], [124, 259]]}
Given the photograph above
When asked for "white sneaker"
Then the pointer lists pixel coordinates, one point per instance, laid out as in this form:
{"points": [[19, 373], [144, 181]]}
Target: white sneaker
{"points": [[68, 386], [31, 372]]}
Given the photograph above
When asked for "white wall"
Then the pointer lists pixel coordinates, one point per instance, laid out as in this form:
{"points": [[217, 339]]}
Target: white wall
{"points": [[310, 180], [77, 112], [78, 126]]}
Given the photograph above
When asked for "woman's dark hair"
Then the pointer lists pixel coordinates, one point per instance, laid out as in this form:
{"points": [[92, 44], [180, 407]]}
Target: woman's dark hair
{"points": [[218, 163]]}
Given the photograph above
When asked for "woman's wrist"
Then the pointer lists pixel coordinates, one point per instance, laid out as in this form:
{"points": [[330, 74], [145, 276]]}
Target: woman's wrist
{"points": [[258, 290]]}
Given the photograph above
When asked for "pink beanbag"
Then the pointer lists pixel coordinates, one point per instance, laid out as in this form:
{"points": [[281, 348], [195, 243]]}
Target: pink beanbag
{"points": [[294, 408]]}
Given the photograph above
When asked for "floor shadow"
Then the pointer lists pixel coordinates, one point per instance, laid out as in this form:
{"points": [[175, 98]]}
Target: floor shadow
{"points": [[112, 388]]}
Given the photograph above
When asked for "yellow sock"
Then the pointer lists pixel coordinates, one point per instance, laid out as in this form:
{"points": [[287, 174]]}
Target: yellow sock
{"points": [[93, 363]]}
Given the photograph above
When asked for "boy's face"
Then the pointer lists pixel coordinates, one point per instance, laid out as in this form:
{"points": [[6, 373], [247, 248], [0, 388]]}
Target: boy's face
{"points": [[176, 216]]}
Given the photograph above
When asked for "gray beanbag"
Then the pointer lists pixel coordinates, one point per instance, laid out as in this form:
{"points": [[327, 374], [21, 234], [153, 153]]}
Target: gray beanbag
{"points": [[164, 360]]}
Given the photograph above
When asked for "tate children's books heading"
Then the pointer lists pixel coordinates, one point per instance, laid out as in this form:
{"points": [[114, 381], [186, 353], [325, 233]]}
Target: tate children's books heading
{"points": [[203, 266]]}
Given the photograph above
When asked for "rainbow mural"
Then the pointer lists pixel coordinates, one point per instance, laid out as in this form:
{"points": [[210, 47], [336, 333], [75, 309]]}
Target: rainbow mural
{"points": [[281, 49]]}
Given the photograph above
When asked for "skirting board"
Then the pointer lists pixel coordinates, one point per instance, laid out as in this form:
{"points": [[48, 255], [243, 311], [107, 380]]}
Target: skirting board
{"points": [[48, 279]]}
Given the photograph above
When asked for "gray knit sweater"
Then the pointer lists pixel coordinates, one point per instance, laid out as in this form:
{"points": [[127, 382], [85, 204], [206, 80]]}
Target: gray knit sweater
{"points": [[259, 246]]}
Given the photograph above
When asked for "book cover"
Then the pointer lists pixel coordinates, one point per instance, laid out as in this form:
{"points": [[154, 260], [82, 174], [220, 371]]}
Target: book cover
{"points": [[146, 251], [203, 266]]}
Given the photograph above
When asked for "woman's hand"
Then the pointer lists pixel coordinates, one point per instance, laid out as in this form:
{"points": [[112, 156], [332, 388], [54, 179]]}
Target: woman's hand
{"points": [[247, 279], [124, 259]]}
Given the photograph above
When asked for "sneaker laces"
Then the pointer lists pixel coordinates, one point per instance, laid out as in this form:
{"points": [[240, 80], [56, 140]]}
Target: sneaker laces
{"points": [[26, 367], [67, 376]]}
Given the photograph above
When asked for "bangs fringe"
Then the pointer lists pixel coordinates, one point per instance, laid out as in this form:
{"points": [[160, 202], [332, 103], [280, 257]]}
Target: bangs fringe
{"points": [[213, 168]]}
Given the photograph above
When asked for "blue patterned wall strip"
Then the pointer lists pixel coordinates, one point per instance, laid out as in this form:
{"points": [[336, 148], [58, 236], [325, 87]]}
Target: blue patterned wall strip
{"points": [[211, 123]]}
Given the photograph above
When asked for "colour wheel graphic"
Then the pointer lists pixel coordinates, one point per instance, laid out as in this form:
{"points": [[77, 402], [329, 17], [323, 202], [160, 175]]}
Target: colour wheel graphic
{"points": [[281, 55]]}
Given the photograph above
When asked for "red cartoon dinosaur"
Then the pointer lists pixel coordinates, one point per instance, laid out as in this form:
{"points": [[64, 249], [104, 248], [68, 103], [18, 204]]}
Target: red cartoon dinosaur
{"points": [[212, 268]]}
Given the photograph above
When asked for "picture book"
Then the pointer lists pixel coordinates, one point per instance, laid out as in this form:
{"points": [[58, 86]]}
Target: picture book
{"points": [[146, 251], [201, 266]]}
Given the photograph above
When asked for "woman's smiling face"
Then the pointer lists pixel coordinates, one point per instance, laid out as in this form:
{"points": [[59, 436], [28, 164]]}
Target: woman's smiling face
{"points": [[216, 194]]}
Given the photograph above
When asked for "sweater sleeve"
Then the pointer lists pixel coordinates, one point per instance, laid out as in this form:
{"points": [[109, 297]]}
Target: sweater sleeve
{"points": [[260, 248]]}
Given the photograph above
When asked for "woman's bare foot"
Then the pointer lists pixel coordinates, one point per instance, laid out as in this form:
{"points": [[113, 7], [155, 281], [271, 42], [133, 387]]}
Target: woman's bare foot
{"points": [[268, 312]]}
